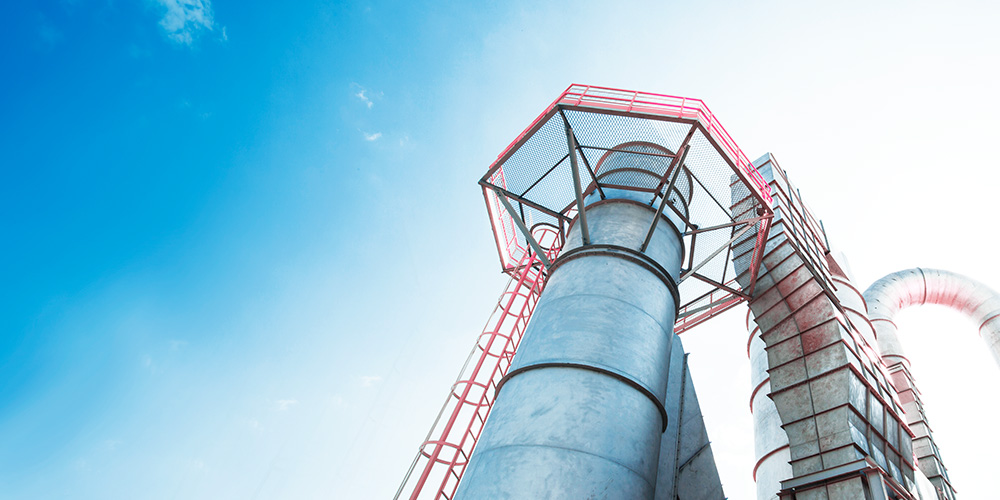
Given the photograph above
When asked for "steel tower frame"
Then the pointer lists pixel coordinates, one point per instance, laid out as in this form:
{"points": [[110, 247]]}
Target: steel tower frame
{"points": [[530, 236]]}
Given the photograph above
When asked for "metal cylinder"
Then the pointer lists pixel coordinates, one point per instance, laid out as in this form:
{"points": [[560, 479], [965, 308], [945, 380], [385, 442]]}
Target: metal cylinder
{"points": [[853, 302], [581, 411], [769, 439]]}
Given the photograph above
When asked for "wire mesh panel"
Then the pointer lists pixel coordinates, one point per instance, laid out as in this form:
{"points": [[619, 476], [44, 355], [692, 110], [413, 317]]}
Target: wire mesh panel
{"points": [[625, 140]]}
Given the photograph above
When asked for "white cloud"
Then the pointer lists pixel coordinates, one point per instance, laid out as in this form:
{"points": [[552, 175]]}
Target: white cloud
{"points": [[285, 404], [184, 19], [176, 344], [370, 380], [364, 98], [372, 137]]}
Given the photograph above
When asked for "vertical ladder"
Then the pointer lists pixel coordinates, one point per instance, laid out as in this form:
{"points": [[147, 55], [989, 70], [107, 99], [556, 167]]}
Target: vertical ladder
{"points": [[443, 456]]}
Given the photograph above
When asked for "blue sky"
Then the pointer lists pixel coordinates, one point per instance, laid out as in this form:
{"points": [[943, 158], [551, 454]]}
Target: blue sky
{"points": [[208, 224], [244, 252]]}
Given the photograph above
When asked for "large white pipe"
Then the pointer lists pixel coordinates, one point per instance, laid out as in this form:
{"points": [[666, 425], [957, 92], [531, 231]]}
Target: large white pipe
{"points": [[770, 442], [897, 291]]}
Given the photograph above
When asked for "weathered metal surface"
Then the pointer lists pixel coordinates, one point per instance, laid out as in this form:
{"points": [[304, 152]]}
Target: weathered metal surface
{"points": [[829, 387], [581, 413], [687, 467], [770, 441]]}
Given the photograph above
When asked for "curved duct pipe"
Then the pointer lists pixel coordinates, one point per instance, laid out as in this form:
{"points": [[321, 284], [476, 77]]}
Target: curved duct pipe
{"points": [[885, 298], [897, 291]]}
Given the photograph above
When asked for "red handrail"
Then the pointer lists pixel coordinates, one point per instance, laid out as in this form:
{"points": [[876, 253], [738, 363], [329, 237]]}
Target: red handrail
{"points": [[448, 447]]}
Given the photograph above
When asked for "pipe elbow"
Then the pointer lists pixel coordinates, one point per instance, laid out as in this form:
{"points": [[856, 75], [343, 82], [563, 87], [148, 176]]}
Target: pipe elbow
{"points": [[918, 286]]}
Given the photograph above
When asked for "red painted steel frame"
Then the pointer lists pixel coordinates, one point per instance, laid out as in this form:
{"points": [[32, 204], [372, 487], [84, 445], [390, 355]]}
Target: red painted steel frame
{"points": [[627, 101], [726, 300], [444, 455], [667, 105]]}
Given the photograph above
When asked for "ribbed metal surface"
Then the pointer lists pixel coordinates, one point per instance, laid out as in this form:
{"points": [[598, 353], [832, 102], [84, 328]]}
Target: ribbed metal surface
{"points": [[582, 411], [917, 286], [770, 441]]}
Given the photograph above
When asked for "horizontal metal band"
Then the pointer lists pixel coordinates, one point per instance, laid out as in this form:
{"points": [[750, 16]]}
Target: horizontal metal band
{"points": [[666, 219], [623, 253], [987, 320], [756, 389], [636, 385], [765, 457]]}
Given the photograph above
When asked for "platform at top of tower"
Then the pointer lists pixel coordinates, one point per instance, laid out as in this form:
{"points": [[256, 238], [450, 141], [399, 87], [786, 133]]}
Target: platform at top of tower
{"points": [[633, 140]]}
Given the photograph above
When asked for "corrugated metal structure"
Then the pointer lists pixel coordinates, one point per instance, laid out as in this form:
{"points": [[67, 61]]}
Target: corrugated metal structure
{"points": [[641, 218], [834, 427]]}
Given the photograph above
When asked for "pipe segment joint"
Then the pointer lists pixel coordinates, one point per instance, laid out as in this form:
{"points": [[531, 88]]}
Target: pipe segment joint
{"points": [[897, 291], [582, 407]]}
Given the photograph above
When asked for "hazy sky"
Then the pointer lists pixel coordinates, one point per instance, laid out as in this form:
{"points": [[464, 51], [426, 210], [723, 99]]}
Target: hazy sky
{"points": [[244, 253]]}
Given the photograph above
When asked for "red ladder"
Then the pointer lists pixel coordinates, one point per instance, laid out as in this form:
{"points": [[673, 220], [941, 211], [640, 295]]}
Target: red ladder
{"points": [[445, 453]]}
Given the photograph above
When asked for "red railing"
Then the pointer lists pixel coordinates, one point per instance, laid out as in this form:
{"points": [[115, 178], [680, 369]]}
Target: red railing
{"points": [[628, 101], [716, 301], [445, 453], [672, 106], [504, 230]]}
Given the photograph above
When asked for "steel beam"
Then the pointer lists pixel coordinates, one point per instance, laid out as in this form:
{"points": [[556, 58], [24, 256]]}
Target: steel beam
{"points": [[524, 229], [677, 167], [716, 252], [581, 213]]}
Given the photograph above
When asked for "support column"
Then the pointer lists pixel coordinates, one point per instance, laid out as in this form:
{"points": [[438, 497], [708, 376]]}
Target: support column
{"points": [[687, 468], [581, 413], [770, 441]]}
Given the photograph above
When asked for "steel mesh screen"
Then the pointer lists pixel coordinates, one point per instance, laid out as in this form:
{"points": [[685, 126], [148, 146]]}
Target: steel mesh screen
{"points": [[635, 152]]}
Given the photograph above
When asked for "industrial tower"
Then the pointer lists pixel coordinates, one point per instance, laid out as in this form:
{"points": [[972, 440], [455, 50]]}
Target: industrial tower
{"points": [[640, 218]]}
